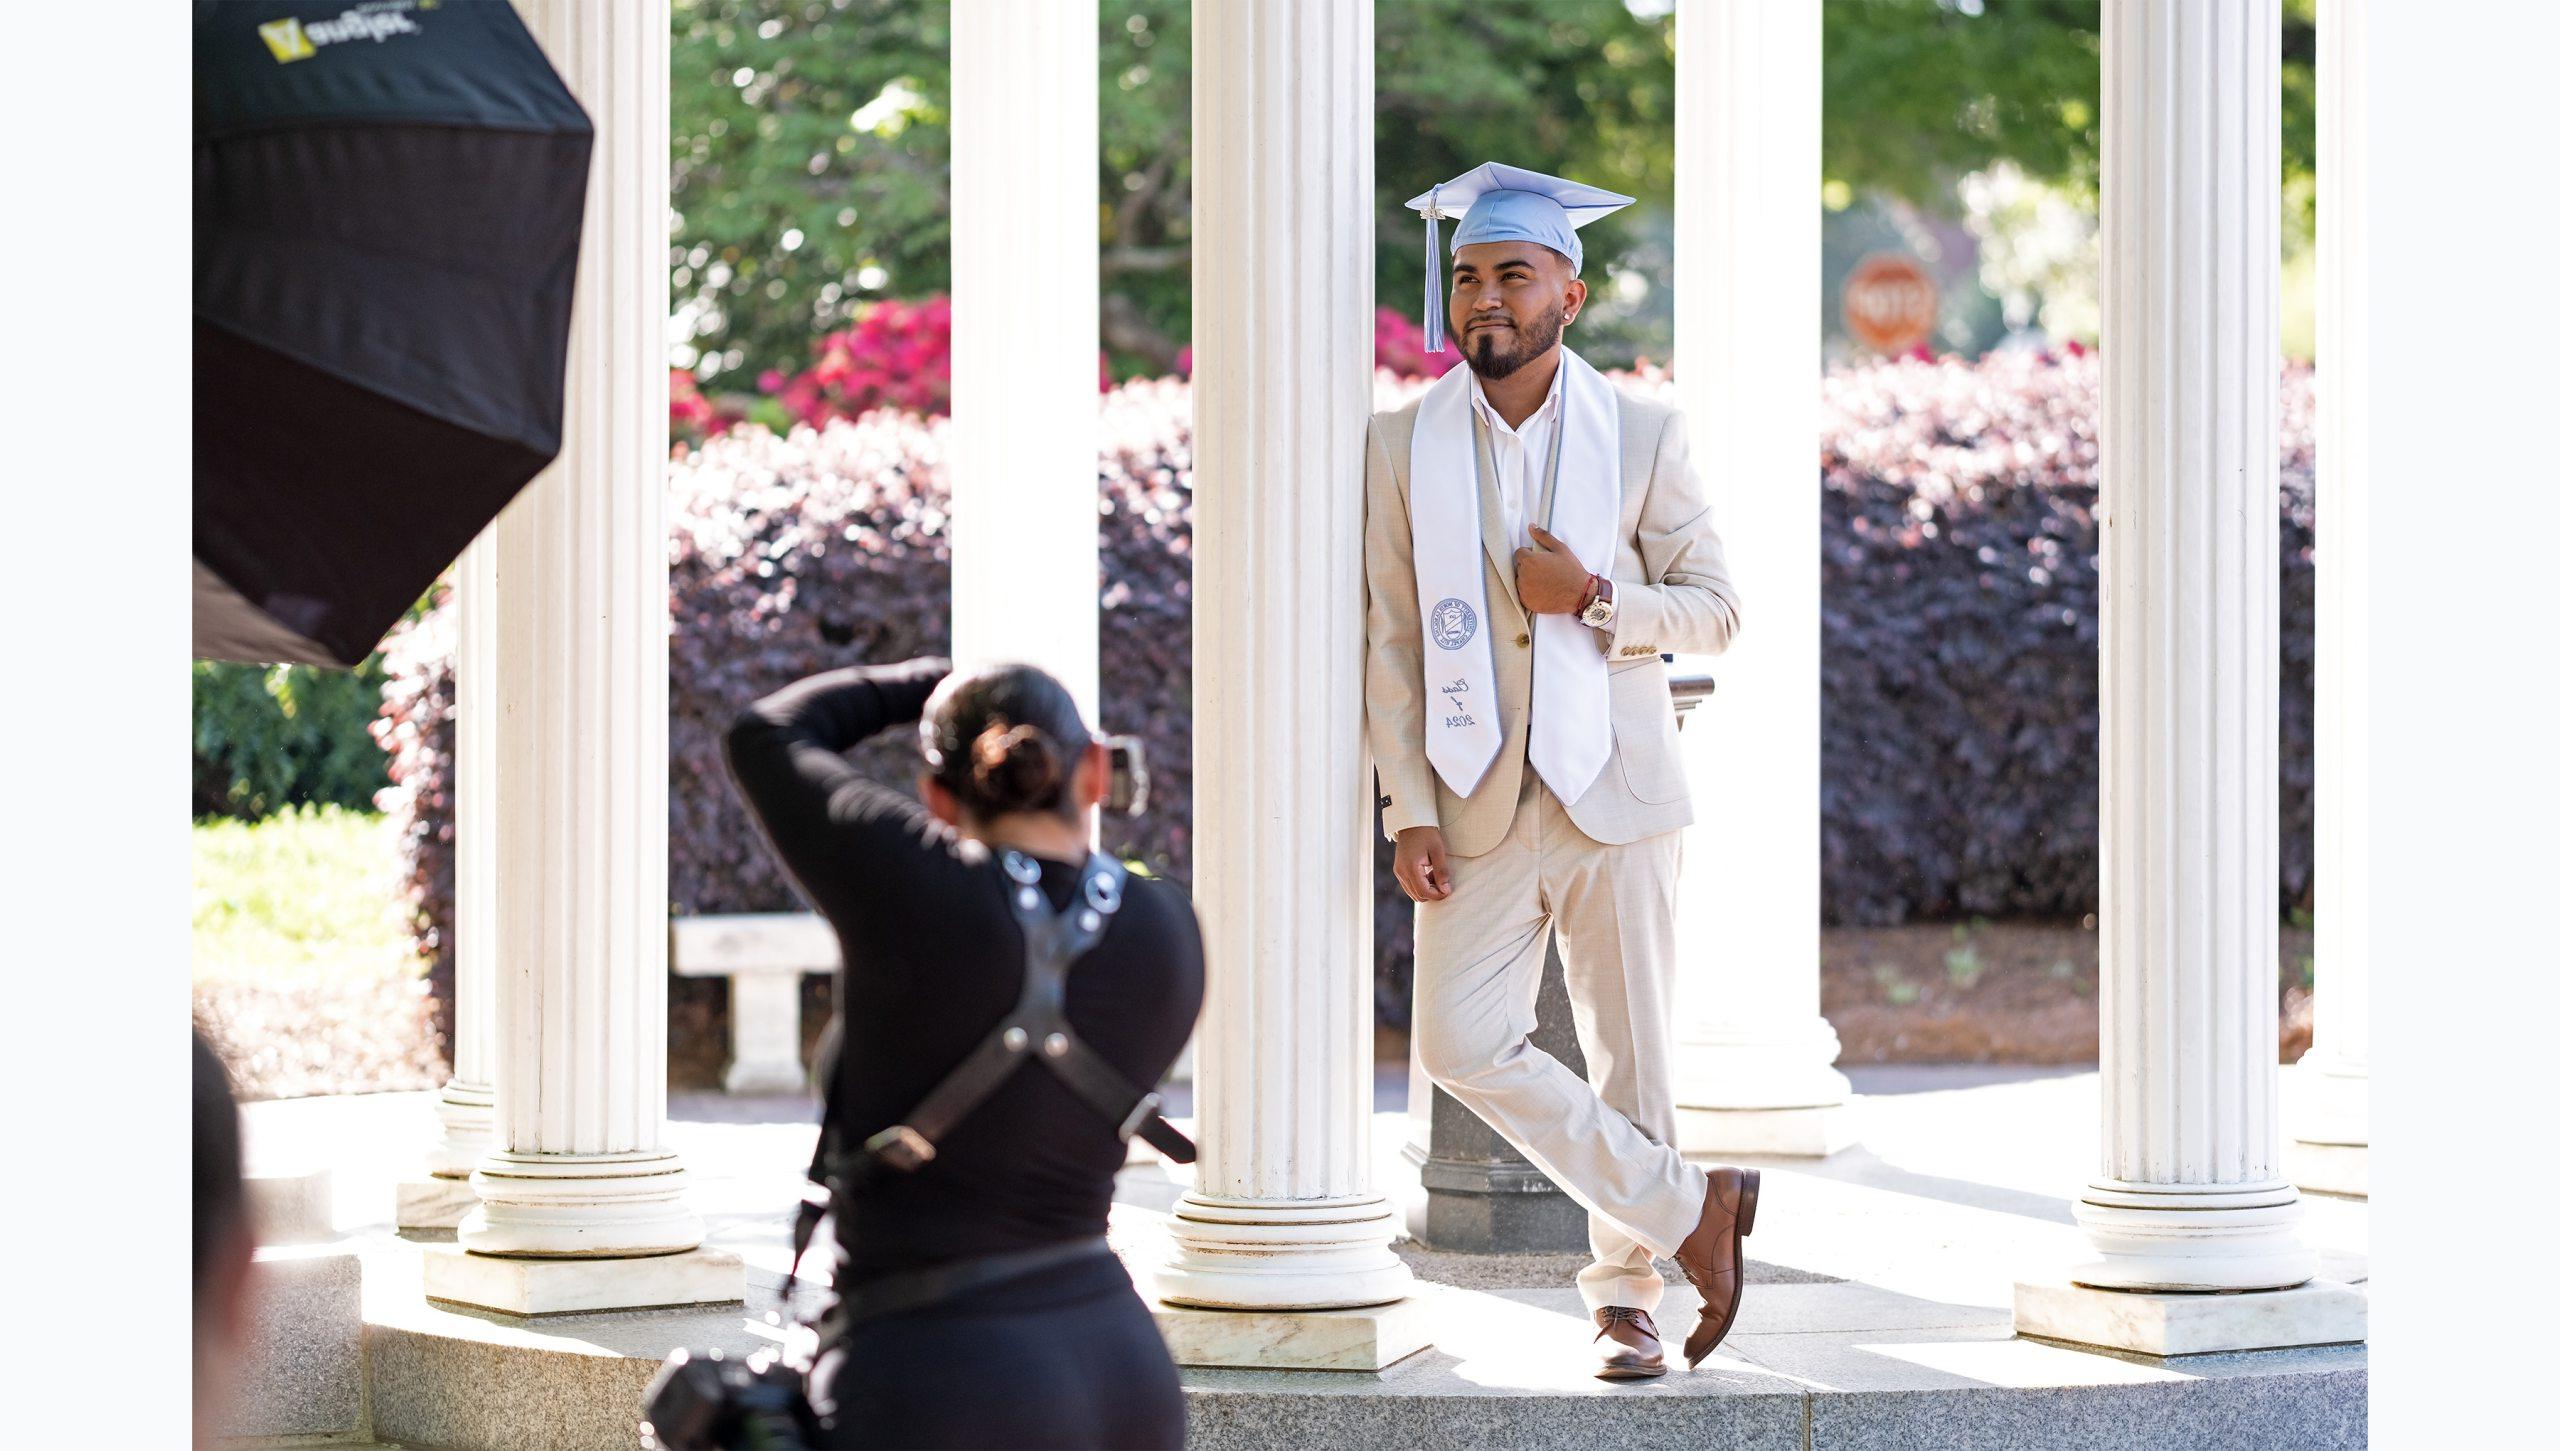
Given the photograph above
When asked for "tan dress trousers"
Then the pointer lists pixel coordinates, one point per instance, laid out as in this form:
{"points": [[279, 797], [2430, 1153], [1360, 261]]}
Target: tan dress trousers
{"points": [[1478, 956]]}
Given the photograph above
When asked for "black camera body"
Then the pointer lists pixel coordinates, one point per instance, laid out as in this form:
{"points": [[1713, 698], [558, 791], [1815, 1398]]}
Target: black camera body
{"points": [[1127, 794], [709, 1402]]}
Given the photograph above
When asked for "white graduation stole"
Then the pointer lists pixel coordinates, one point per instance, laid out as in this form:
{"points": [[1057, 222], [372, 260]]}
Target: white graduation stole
{"points": [[1569, 735]]}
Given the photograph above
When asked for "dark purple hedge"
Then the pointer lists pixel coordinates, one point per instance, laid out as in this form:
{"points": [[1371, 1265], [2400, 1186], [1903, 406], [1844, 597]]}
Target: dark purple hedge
{"points": [[1959, 641]]}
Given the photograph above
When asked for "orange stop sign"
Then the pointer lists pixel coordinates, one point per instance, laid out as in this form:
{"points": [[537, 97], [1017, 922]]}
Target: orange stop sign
{"points": [[1889, 303]]}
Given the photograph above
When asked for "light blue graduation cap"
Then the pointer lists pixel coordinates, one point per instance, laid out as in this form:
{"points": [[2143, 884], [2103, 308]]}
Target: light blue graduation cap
{"points": [[1498, 203]]}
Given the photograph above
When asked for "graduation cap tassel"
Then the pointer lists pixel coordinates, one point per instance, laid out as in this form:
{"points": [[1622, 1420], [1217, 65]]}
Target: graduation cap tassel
{"points": [[1434, 329]]}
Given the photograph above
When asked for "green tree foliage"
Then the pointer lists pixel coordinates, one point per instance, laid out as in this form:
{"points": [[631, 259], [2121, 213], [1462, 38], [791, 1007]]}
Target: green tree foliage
{"points": [[811, 145], [811, 150], [1916, 93], [1146, 183], [1579, 88], [269, 737], [812, 161]]}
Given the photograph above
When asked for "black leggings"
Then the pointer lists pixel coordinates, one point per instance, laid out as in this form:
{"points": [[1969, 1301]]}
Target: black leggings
{"points": [[1062, 1357]]}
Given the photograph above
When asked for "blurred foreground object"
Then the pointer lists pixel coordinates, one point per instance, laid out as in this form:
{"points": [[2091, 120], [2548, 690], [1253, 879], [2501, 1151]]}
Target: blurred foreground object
{"points": [[387, 214]]}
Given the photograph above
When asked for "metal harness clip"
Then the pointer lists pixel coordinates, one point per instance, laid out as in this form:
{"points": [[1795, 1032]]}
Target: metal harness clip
{"points": [[901, 1146], [1138, 1116]]}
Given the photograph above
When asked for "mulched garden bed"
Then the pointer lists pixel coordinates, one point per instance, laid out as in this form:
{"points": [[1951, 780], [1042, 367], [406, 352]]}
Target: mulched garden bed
{"points": [[1995, 992], [1999, 992]]}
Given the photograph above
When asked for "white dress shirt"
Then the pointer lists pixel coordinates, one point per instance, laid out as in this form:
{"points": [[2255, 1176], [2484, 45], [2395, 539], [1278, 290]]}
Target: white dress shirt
{"points": [[1520, 455]]}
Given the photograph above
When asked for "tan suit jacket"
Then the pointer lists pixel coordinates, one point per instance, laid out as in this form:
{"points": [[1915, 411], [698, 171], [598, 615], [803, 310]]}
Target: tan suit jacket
{"points": [[1673, 594]]}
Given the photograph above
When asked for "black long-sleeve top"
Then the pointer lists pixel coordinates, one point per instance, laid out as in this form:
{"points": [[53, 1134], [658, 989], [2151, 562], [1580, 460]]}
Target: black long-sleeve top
{"points": [[932, 961]]}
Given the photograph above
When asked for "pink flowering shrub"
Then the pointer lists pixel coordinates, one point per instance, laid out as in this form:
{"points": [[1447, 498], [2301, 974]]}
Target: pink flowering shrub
{"points": [[897, 356], [691, 418], [1399, 348]]}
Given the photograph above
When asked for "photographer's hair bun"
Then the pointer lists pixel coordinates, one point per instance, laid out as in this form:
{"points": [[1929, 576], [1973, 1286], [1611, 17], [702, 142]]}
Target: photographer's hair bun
{"points": [[1004, 738], [1014, 767]]}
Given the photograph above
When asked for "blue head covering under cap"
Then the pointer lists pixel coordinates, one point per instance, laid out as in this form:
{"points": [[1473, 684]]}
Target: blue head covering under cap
{"points": [[1498, 203]]}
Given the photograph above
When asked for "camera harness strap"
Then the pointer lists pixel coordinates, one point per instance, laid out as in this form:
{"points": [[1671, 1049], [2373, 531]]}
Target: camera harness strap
{"points": [[1035, 1031]]}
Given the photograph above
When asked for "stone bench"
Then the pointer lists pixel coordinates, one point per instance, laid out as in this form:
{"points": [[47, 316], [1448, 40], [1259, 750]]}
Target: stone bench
{"points": [[764, 955]]}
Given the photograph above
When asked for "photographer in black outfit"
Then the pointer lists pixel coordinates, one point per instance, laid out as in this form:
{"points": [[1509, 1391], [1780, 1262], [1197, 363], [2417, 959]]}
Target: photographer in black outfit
{"points": [[978, 1305]]}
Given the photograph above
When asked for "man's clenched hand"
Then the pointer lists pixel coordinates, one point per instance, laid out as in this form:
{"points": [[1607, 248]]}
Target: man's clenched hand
{"points": [[1422, 863], [1550, 578]]}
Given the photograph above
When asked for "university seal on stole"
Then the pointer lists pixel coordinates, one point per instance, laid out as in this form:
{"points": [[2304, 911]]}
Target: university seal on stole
{"points": [[1453, 623]]}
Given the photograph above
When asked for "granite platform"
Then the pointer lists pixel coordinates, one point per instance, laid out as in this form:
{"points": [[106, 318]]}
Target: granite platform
{"points": [[1878, 1312]]}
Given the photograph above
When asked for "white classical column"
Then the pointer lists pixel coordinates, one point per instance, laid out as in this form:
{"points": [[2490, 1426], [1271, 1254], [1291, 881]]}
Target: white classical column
{"points": [[2330, 1133], [1026, 300], [582, 1203], [1283, 1214], [440, 1198], [1755, 1070], [2188, 1196]]}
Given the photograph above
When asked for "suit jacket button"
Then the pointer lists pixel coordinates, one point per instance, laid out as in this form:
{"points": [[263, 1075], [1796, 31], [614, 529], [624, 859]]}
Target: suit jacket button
{"points": [[1521, 639]]}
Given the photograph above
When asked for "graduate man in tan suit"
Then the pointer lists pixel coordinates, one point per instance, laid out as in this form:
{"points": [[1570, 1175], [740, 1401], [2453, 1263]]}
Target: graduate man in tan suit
{"points": [[1537, 539]]}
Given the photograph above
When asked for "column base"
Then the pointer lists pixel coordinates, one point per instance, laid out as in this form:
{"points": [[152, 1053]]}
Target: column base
{"points": [[580, 1206], [1288, 1254], [1755, 1087], [1479, 1207], [1811, 1133], [2330, 1123], [517, 1286], [466, 1117], [1367, 1339], [432, 1202], [2318, 1312], [2326, 1168], [2183, 1238]]}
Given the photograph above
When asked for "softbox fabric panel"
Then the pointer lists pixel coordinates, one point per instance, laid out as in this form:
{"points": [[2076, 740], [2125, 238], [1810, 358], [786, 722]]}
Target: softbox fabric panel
{"points": [[388, 206]]}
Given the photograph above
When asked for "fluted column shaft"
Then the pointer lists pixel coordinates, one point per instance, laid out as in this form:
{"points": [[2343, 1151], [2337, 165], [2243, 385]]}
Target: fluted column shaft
{"points": [[2336, 1106], [1025, 325], [2187, 1194], [463, 1110], [1283, 1213], [577, 844], [1748, 362]]}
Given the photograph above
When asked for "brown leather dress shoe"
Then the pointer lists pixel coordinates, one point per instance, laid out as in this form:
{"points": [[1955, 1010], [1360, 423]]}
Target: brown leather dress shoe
{"points": [[1630, 1349], [1712, 1256]]}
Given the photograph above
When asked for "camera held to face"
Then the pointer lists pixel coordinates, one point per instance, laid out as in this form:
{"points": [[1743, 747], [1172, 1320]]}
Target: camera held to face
{"points": [[1128, 791]]}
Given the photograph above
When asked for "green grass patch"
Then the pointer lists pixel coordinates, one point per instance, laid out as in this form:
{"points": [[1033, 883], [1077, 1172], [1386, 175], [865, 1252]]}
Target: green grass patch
{"points": [[307, 893]]}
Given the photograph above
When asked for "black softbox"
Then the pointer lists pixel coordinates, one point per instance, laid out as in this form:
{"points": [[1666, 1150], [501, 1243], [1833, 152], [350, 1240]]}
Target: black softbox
{"points": [[387, 206]]}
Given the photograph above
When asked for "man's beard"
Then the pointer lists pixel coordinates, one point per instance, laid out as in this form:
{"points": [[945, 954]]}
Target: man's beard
{"points": [[1529, 341]]}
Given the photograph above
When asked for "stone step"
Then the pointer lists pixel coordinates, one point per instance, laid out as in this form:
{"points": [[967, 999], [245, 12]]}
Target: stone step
{"points": [[291, 1204], [1874, 1391], [301, 1373], [1843, 1364]]}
